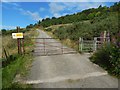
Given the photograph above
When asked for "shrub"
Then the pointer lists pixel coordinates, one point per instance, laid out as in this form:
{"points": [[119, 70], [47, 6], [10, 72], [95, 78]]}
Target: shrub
{"points": [[48, 29], [108, 57], [101, 57], [115, 60]]}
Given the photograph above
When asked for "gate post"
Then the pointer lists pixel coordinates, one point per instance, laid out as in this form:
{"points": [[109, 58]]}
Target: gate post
{"points": [[44, 45], [62, 47], [95, 43], [19, 42], [80, 44], [23, 46]]}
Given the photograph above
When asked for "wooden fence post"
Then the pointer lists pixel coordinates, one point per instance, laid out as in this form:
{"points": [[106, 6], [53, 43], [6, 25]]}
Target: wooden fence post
{"points": [[6, 56], [19, 42]]}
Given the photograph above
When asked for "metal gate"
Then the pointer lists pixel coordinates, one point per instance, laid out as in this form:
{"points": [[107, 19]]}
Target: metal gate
{"points": [[50, 46], [86, 45], [92, 45]]}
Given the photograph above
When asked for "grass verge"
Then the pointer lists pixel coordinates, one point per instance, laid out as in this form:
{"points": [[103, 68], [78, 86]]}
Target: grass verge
{"points": [[21, 64]]}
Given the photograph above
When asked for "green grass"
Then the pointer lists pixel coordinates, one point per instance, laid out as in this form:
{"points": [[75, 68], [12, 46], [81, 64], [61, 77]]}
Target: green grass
{"points": [[19, 66]]}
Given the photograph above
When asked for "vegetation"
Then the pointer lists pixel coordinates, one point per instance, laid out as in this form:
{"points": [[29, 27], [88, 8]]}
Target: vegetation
{"points": [[108, 57], [88, 14], [9, 32], [15, 64], [88, 24], [18, 66], [85, 29]]}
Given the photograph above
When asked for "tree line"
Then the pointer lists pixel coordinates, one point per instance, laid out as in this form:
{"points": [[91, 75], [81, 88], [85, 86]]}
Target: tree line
{"points": [[88, 14]]}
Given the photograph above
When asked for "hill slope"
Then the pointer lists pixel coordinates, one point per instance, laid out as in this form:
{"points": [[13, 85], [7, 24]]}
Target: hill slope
{"points": [[88, 14]]}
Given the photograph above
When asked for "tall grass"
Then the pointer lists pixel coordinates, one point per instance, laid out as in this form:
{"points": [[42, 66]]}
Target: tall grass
{"points": [[21, 63], [19, 66]]}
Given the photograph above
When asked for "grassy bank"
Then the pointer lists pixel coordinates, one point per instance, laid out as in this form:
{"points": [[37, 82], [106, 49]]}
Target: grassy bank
{"points": [[17, 64]]}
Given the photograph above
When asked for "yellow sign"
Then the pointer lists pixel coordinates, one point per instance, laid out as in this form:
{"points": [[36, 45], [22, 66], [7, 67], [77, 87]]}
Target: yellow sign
{"points": [[17, 35]]}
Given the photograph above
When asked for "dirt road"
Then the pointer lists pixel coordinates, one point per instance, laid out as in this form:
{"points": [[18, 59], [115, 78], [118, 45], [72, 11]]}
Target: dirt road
{"points": [[68, 71]]}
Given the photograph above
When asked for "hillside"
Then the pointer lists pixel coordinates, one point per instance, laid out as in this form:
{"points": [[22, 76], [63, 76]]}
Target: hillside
{"points": [[89, 24], [89, 14], [87, 29]]}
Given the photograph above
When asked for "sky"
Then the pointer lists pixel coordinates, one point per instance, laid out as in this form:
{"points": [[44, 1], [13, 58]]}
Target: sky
{"points": [[25, 13]]}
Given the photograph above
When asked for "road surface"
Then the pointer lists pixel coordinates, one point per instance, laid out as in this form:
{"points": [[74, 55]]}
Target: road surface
{"points": [[67, 71]]}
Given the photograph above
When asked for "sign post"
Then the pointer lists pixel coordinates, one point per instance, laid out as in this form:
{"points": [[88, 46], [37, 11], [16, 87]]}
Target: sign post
{"points": [[18, 41], [23, 46], [19, 37]]}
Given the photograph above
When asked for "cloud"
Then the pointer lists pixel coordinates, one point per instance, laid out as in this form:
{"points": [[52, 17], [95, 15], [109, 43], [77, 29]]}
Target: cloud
{"points": [[82, 5], [65, 14], [15, 4], [56, 15], [42, 9], [11, 3], [7, 27], [56, 7], [86, 5], [34, 15], [47, 16]]}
